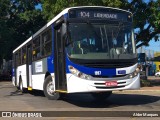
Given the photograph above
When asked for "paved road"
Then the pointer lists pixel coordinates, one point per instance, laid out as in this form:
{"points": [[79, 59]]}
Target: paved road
{"points": [[13, 100]]}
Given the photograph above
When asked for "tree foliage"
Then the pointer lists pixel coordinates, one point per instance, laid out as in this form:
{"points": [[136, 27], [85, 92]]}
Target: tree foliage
{"points": [[146, 14], [5, 31], [146, 20], [53, 7], [18, 21]]}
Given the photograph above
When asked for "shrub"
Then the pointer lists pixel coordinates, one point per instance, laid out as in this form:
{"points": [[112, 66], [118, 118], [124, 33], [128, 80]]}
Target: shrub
{"points": [[145, 83]]}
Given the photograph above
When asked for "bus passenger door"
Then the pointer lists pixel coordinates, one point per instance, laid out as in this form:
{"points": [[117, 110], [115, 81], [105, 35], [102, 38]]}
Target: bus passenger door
{"points": [[29, 65], [59, 61]]}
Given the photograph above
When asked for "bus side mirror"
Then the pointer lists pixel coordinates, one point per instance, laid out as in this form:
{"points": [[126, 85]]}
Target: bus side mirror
{"points": [[64, 29], [66, 35]]}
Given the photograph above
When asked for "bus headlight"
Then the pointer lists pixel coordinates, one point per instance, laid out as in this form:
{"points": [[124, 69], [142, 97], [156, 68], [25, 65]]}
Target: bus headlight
{"points": [[77, 73], [135, 73]]}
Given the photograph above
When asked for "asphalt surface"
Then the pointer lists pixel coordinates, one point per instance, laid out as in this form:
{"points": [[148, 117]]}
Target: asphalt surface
{"points": [[145, 99]]}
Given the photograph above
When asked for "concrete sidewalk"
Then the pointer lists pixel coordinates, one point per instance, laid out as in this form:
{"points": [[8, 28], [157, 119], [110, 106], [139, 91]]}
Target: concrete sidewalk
{"points": [[153, 78], [153, 88]]}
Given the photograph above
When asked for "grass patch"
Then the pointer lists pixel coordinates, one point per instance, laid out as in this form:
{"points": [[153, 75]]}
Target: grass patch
{"points": [[145, 83]]}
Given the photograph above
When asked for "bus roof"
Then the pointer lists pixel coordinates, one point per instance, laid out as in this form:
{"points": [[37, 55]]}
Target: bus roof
{"points": [[57, 17]]}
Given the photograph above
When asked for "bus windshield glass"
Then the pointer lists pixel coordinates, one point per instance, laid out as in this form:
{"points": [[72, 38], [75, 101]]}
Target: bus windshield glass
{"points": [[101, 41]]}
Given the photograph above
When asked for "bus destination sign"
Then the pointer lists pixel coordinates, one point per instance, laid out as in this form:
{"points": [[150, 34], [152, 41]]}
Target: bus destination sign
{"points": [[100, 15], [97, 15]]}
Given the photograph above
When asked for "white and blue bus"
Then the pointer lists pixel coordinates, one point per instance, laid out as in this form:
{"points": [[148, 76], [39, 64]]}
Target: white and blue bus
{"points": [[81, 50]]}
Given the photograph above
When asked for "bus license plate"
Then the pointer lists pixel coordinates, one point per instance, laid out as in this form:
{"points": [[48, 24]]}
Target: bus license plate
{"points": [[111, 83]]}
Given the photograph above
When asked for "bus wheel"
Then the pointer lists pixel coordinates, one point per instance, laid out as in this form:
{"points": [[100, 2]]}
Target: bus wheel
{"points": [[48, 88], [101, 95]]}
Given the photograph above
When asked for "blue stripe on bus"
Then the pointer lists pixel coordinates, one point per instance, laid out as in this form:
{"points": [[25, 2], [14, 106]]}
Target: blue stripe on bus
{"points": [[91, 71], [50, 64], [65, 15], [13, 72], [50, 59]]}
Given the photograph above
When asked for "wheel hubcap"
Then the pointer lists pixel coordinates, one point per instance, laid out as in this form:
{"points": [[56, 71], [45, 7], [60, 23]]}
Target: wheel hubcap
{"points": [[50, 89]]}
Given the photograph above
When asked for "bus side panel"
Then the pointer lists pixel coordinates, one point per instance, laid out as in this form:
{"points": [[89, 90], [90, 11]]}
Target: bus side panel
{"points": [[50, 64], [37, 81], [39, 69]]}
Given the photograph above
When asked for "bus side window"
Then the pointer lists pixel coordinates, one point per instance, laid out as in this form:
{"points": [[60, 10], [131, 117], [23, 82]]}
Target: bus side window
{"points": [[47, 43], [18, 57], [24, 55], [19, 60], [36, 48]]}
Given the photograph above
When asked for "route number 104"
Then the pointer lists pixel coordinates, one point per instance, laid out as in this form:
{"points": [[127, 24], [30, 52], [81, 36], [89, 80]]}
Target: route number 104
{"points": [[84, 14]]}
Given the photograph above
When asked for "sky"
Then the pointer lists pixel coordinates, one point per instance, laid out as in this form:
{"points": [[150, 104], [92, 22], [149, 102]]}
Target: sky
{"points": [[154, 46], [39, 6]]}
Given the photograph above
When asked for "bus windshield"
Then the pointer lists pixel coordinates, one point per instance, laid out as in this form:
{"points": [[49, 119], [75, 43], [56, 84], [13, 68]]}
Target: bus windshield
{"points": [[101, 41]]}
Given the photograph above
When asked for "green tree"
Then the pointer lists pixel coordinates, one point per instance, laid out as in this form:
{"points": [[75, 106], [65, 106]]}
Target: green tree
{"points": [[52, 7], [5, 31], [18, 21], [146, 20], [146, 14]]}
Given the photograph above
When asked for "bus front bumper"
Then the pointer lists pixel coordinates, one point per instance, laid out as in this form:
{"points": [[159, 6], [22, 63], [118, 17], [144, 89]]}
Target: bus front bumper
{"points": [[75, 84]]}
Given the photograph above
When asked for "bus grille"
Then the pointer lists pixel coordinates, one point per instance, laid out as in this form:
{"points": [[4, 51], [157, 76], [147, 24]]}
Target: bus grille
{"points": [[109, 65], [115, 76], [110, 87]]}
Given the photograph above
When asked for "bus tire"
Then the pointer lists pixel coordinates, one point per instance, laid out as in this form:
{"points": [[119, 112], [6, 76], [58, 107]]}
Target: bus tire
{"points": [[48, 89], [21, 88], [101, 95]]}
